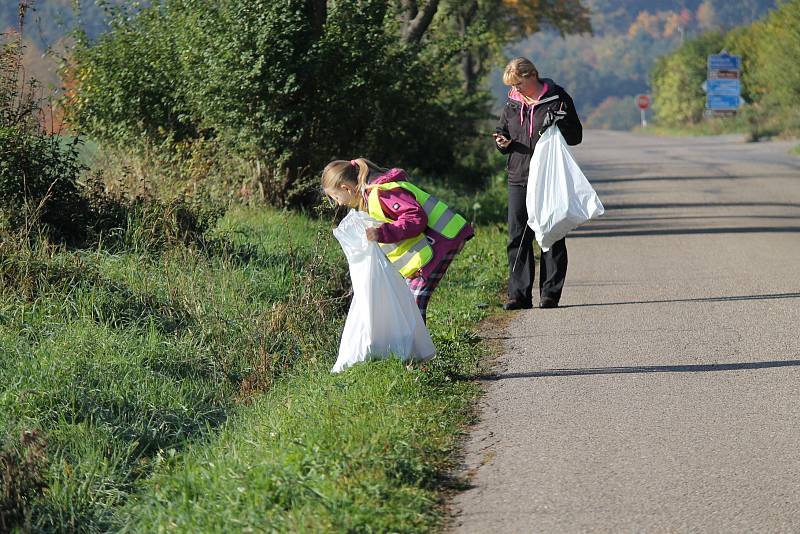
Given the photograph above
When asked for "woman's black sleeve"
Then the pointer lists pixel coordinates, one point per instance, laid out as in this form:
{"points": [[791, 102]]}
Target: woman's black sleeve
{"points": [[570, 126], [502, 128]]}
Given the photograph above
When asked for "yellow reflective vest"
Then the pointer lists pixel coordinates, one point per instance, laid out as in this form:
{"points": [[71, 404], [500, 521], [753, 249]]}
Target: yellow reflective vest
{"points": [[411, 254]]}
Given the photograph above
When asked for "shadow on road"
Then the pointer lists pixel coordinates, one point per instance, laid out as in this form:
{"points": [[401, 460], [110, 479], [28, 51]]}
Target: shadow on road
{"points": [[627, 218], [619, 224], [647, 369], [684, 231], [632, 179], [674, 205], [767, 296]]}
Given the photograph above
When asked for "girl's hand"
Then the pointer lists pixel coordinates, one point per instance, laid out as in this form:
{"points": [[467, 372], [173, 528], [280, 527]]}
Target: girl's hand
{"points": [[372, 234]]}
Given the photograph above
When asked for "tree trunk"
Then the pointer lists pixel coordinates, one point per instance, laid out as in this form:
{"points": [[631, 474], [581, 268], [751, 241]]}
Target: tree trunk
{"points": [[416, 22], [318, 13], [295, 169], [469, 63], [467, 69]]}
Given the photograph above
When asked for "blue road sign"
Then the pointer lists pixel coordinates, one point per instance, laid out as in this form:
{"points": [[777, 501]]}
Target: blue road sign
{"points": [[724, 61], [722, 101], [723, 87], [723, 75]]}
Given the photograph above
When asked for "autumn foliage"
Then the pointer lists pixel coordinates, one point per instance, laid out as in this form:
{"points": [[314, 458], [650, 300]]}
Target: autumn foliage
{"points": [[769, 49]]}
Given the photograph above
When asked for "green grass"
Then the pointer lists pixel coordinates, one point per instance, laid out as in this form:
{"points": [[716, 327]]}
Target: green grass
{"points": [[188, 389], [714, 126], [751, 122], [795, 151]]}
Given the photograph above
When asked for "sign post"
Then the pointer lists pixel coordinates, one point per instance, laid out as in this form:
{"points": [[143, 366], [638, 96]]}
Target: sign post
{"points": [[723, 88], [643, 102]]}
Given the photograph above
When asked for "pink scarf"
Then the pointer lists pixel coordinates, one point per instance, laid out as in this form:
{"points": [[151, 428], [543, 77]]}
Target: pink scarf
{"points": [[519, 97]]}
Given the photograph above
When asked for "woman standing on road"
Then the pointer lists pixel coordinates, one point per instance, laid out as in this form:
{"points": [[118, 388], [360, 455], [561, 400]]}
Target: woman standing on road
{"points": [[534, 104]]}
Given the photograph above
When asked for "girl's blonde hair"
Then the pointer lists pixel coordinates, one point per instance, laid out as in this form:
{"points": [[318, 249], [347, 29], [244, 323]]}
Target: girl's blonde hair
{"points": [[355, 172], [519, 68]]}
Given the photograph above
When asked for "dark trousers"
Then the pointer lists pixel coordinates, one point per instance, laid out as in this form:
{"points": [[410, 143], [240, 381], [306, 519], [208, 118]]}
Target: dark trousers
{"points": [[552, 265]]}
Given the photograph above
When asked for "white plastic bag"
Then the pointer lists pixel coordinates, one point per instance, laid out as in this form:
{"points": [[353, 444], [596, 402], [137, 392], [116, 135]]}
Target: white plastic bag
{"points": [[384, 319], [559, 197]]}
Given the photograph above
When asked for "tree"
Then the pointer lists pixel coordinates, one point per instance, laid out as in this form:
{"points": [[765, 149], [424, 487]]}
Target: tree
{"points": [[678, 98], [415, 22], [776, 76], [483, 27]]}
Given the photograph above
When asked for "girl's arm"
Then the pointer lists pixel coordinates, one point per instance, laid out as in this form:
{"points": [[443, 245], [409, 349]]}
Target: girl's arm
{"points": [[409, 217]]}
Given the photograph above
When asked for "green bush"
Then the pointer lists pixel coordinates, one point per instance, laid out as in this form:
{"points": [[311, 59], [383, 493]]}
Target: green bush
{"points": [[275, 85], [743, 42], [777, 73], [678, 97], [38, 175], [38, 183], [44, 189], [776, 78], [126, 85]]}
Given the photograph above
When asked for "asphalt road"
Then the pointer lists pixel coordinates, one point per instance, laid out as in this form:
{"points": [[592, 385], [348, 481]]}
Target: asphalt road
{"points": [[664, 394]]}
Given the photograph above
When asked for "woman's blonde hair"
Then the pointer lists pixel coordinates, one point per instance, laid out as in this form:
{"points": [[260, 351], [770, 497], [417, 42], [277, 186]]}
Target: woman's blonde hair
{"points": [[519, 68], [355, 172]]}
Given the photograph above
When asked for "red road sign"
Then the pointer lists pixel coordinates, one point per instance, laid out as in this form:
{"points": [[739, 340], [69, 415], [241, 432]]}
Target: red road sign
{"points": [[643, 101]]}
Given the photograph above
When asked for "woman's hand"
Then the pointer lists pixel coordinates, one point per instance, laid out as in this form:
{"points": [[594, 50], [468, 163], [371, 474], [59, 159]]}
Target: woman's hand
{"points": [[501, 140], [372, 234], [552, 116]]}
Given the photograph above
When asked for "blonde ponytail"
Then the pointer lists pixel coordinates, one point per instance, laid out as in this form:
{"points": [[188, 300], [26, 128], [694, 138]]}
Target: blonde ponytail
{"points": [[355, 172], [363, 176]]}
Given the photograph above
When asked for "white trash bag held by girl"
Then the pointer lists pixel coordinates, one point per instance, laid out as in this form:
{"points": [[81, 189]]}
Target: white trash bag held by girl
{"points": [[384, 320], [559, 197]]}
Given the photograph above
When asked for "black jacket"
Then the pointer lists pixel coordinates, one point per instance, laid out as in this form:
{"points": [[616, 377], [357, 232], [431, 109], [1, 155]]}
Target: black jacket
{"points": [[523, 140]]}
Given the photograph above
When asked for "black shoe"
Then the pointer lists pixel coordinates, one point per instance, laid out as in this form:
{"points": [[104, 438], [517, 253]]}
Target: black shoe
{"points": [[518, 305], [548, 302]]}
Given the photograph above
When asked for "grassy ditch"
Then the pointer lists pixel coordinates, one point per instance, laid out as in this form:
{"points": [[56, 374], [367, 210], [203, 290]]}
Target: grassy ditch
{"points": [[710, 126], [187, 388], [748, 122]]}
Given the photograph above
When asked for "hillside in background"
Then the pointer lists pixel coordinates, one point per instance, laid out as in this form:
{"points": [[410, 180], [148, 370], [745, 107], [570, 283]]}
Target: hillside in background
{"points": [[46, 30], [48, 21], [603, 72]]}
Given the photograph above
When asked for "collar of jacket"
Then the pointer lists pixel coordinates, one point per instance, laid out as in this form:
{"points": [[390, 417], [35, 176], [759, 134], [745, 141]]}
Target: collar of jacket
{"points": [[548, 94]]}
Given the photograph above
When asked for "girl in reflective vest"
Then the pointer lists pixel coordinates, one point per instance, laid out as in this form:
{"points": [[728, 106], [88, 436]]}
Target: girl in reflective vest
{"points": [[420, 234]]}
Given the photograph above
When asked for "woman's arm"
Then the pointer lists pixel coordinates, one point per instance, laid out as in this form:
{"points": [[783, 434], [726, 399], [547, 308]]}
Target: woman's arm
{"points": [[502, 129], [570, 125]]}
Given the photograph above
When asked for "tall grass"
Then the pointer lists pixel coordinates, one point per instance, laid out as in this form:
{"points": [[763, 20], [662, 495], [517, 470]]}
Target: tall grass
{"points": [[185, 386], [118, 357], [365, 451]]}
